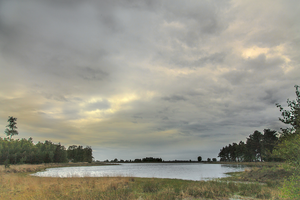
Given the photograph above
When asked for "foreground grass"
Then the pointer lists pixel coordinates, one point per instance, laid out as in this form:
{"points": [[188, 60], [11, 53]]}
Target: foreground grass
{"points": [[21, 185]]}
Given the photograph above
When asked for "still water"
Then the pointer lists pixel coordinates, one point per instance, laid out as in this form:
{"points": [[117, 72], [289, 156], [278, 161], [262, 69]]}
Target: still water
{"points": [[186, 171]]}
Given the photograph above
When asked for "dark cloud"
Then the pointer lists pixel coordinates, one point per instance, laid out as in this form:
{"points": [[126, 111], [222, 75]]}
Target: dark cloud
{"points": [[174, 98], [57, 97], [92, 74]]}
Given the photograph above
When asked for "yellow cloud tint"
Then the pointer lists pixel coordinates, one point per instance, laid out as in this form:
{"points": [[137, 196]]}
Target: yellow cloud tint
{"points": [[254, 52]]}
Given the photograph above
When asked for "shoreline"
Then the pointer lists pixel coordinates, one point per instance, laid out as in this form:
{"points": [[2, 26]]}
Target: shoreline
{"points": [[30, 168]]}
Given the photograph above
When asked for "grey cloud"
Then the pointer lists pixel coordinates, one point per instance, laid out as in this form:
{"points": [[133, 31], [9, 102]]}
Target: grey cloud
{"points": [[204, 15], [271, 96], [57, 97], [256, 70], [215, 58], [203, 60], [174, 98], [92, 74], [197, 129], [100, 105]]}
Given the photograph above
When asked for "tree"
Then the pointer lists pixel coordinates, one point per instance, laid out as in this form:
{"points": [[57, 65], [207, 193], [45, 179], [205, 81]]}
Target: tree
{"points": [[240, 151], [291, 117], [269, 141], [199, 158], [79, 154], [254, 146], [289, 146], [11, 130], [289, 151]]}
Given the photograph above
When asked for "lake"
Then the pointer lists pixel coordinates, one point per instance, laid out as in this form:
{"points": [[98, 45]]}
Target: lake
{"points": [[185, 171]]}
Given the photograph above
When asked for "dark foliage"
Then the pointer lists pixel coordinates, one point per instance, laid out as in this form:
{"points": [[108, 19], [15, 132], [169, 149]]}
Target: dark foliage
{"points": [[11, 130], [23, 151], [151, 159], [258, 147], [291, 117], [199, 158], [80, 154]]}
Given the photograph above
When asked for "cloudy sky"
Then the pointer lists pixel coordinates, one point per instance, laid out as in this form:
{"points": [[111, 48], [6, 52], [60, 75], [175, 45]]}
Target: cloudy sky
{"points": [[133, 78]]}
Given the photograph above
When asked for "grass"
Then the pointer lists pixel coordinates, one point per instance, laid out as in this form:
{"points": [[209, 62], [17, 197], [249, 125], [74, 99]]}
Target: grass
{"points": [[23, 168], [18, 184]]}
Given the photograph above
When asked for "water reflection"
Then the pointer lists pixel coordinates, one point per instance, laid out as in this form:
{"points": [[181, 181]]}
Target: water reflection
{"points": [[186, 171]]}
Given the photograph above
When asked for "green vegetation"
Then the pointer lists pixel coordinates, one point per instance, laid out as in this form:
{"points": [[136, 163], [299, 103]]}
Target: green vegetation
{"points": [[289, 147], [270, 146], [258, 147], [26, 152], [80, 154], [291, 117]]}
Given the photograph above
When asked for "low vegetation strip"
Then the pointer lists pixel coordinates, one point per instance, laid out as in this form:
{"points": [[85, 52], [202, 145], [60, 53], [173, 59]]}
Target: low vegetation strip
{"points": [[20, 185], [40, 167]]}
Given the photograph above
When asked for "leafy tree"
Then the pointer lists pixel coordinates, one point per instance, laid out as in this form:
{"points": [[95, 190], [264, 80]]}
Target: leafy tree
{"points": [[240, 151], [291, 117], [199, 158], [254, 146], [233, 152], [88, 154], [11, 130], [289, 150], [221, 154], [289, 146], [270, 139], [60, 154], [79, 154]]}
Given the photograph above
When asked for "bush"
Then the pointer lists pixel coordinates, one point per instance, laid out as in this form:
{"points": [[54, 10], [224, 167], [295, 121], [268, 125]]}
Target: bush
{"points": [[291, 187]]}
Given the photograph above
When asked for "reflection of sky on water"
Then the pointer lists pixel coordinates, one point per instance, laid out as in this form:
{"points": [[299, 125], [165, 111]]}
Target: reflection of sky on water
{"points": [[186, 171]]}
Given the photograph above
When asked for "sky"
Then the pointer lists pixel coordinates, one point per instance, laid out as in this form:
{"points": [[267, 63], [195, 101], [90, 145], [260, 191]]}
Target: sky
{"points": [[174, 79]]}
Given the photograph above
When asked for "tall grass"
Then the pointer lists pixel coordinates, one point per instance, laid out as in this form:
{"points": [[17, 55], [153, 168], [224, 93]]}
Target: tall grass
{"points": [[16, 186]]}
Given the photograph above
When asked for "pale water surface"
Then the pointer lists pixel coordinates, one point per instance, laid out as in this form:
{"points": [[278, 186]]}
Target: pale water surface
{"points": [[186, 171]]}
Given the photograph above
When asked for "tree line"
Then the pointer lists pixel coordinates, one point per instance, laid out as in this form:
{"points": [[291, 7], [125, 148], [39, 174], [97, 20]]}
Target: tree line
{"points": [[24, 151], [269, 146], [147, 159], [258, 147]]}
